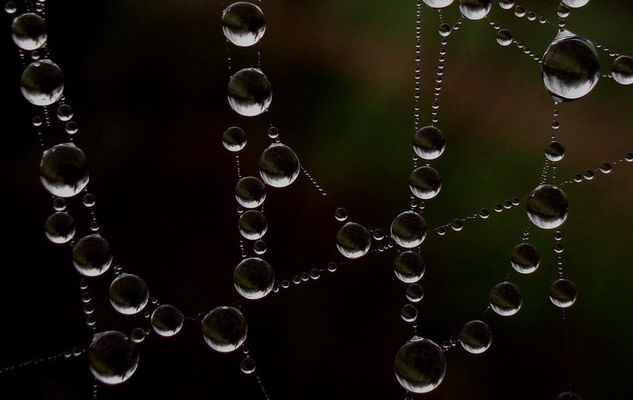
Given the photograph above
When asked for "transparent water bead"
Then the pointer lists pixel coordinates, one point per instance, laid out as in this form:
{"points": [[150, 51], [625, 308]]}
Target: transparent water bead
{"points": [[562, 293], [475, 337], [554, 151], [10, 7], [42, 83], [64, 112], [340, 214], [568, 396], [28, 31], [253, 278], [504, 37], [547, 207], [575, 3], [234, 139], [409, 266], [243, 23], [92, 255], [505, 299], [249, 92], [622, 70], [138, 335], [252, 225], [64, 170], [353, 240], [260, 247], [279, 165], [475, 9], [570, 67], [425, 182], [60, 227], [128, 294], [224, 329], [250, 192], [444, 30], [167, 320], [438, 3], [420, 365], [414, 293], [408, 229], [112, 357], [524, 258], [429, 142], [409, 313]]}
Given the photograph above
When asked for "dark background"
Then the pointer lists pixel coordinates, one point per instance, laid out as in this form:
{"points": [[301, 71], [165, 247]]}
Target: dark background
{"points": [[147, 81]]}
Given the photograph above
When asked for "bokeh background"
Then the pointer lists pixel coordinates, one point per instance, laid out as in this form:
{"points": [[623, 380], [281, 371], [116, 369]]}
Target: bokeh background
{"points": [[147, 81]]}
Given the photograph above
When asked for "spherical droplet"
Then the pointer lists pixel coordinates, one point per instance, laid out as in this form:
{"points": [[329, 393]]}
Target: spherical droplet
{"points": [[425, 182], [167, 320], [475, 337], [506, 4], [409, 313], [409, 266], [128, 294], [250, 192], [575, 3], [353, 240], [444, 30], [568, 396], [92, 255], [547, 207], [42, 83], [224, 329], [340, 214], [279, 165], [253, 278], [562, 293], [414, 293], [570, 67], [113, 357], [438, 3], [505, 299], [475, 9], [260, 247], [60, 227], [234, 138], [420, 365], [29, 31], [525, 259], [10, 7], [554, 151], [504, 37], [252, 225], [243, 23], [137, 335], [64, 170], [247, 365], [622, 70], [250, 92], [408, 229], [429, 143]]}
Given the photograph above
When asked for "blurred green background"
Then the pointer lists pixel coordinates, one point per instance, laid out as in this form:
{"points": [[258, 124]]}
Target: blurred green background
{"points": [[147, 81]]}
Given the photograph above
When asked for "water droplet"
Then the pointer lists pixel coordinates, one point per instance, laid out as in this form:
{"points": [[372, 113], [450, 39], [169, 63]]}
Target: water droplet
{"points": [[252, 225], [253, 278], [378, 234], [429, 143], [444, 30], [64, 112], [10, 8], [408, 229], [234, 138], [409, 313], [570, 67], [224, 329], [414, 293], [484, 213], [622, 70], [279, 165], [409, 267], [247, 365], [420, 365], [137, 335], [42, 83], [562, 293], [438, 3], [554, 151], [519, 11], [547, 207], [475, 337], [71, 127], [250, 93], [250, 192], [273, 132], [524, 258], [562, 11], [340, 214], [92, 255], [568, 396], [506, 4], [505, 299], [260, 247], [29, 31], [64, 170], [113, 357], [353, 240], [167, 320], [425, 182], [243, 23], [331, 266], [475, 9], [60, 227], [128, 294], [606, 168], [575, 3], [504, 37]]}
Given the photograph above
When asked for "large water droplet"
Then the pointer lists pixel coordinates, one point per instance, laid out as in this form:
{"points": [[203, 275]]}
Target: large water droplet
{"points": [[279, 165], [547, 207], [475, 337], [425, 182], [250, 92], [525, 258], [252, 225], [562, 293], [29, 31], [475, 9], [250, 192], [570, 67], [420, 365], [575, 3], [42, 83], [224, 329], [408, 229], [64, 170], [254, 278], [128, 294], [234, 138], [622, 70], [438, 3], [353, 240], [60, 227], [92, 255], [113, 357], [429, 143], [167, 320], [505, 299], [243, 23], [409, 266], [554, 151]]}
